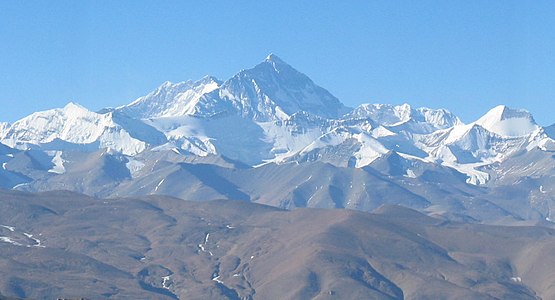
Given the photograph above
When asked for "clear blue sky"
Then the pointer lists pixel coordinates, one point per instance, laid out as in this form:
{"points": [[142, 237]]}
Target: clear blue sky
{"points": [[466, 56]]}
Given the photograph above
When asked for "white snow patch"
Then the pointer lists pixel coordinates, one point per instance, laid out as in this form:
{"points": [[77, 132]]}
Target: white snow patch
{"points": [[201, 246], [6, 239], [216, 278], [516, 279], [542, 190], [229, 226], [206, 238], [37, 241], [166, 282], [58, 162], [410, 174], [20, 185], [10, 228], [4, 166], [159, 184]]}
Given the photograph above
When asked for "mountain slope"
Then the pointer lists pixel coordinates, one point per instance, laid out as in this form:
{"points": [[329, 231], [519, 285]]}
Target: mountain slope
{"points": [[166, 248]]}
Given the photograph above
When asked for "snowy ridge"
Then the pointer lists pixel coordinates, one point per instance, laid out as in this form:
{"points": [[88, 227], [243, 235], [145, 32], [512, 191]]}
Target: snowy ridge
{"points": [[58, 129], [428, 120], [170, 100]]}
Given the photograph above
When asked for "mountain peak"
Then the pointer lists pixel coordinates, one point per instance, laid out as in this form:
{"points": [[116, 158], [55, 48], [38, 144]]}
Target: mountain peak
{"points": [[279, 66], [273, 58], [270, 90], [209, 79], [503, 112], [506, 121], [74, 106]]}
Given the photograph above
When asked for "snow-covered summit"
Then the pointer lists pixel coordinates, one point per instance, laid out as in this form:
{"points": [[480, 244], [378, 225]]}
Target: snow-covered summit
{"points": [[170, 99], [73, 125], [271, 90], [508, 122]]}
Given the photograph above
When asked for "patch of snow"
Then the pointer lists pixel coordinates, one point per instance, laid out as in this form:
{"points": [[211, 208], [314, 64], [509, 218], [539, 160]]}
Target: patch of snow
{"points": [[37, 241], [8, 240], [166, 282], [20, 185], [216, 278], [10, 228], [58, 162], [410, 174], [206, 238], [516, 279], [4, 166], [159, 184], [202, 246]]}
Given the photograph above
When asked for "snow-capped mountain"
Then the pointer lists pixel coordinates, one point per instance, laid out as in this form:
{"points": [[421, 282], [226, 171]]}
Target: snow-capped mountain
{"points": [[170, 99], [272, 118], [75, 127], [272, 90]]}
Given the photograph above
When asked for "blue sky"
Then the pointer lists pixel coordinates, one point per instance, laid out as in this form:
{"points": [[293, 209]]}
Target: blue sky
{"points": [[466, 56]]}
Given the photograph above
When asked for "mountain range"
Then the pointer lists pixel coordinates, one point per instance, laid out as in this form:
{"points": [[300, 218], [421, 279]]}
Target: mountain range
{"points": [[270, 135]]}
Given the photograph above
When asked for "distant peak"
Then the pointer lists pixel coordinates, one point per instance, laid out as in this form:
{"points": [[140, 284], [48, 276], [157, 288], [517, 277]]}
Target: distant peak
{"points": [[497, 111], [73, 105], [274, 60], [210, 79], [273, 57], [506, 121], [502, 112]]}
